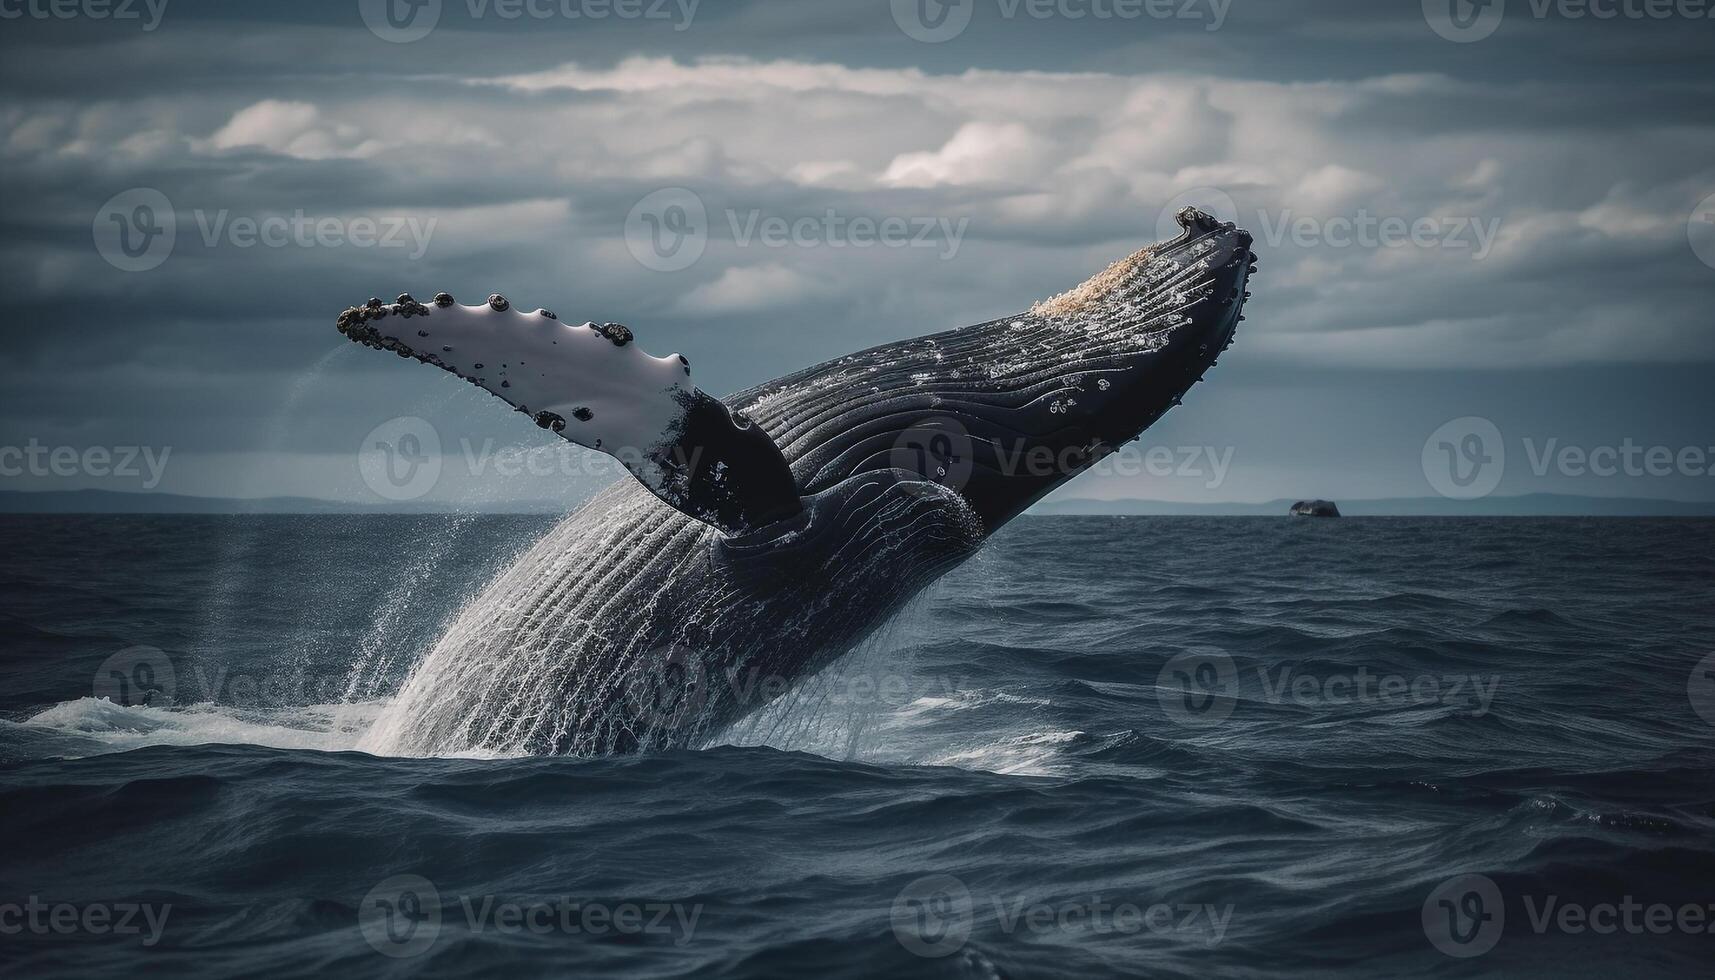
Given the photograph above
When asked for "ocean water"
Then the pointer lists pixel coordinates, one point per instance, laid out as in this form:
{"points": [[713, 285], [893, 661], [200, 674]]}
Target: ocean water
{"points": [[1175, 747]]}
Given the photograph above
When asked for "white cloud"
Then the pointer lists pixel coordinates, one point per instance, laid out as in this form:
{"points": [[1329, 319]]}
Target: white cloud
{"points": [[1056, 172], [979, 153], [749, 289]]}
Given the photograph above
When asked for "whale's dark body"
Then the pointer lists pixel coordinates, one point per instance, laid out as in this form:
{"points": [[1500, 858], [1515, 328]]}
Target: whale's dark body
{"points": [[633, 625]]}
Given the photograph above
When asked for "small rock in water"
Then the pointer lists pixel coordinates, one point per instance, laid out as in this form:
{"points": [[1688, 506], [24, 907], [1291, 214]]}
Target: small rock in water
{"points": [[1315, 508]]}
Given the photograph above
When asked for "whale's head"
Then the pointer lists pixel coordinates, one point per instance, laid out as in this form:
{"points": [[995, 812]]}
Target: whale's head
{"points": [[1004, 412]]}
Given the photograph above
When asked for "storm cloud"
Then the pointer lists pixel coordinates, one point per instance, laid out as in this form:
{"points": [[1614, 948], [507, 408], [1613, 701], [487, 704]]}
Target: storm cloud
{"points": [[1447, 227]]}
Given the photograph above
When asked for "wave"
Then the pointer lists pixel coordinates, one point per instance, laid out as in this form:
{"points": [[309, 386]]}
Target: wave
{"points": [[100, 722]]}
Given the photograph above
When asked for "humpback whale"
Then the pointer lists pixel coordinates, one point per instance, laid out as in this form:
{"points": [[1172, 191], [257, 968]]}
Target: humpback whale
{"points": [[769, 532]]}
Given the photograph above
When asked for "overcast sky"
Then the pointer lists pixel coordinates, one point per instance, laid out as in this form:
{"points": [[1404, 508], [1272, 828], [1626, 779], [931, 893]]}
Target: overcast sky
{"points": [[1510, 220]]}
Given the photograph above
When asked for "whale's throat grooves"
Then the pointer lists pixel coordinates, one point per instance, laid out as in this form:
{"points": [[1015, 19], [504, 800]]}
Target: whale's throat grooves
{"points": [[633, 625]]}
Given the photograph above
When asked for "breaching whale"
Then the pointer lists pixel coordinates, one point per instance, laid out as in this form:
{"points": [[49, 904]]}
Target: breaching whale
{"points": [[769, 532]]}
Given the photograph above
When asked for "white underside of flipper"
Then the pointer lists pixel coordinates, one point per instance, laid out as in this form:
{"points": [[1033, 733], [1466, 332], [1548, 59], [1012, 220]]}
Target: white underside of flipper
{"points": [[592, 385], [588, 382]]}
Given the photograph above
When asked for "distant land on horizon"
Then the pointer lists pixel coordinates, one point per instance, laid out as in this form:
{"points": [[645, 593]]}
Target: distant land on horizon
{"points": [[1523, 505], [1526, 505]]}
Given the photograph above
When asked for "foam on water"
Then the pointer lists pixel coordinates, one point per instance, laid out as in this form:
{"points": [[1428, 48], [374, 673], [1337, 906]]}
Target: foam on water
{"points": [[117, 727], [93, 726], [812, 721], [876, 705]]}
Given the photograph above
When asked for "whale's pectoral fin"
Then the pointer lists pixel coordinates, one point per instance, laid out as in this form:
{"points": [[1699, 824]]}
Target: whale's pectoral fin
{"points": [[590, 384]]}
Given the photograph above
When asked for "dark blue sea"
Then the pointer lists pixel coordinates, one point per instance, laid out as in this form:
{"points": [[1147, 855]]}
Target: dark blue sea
{"points": [[1161, 747]]}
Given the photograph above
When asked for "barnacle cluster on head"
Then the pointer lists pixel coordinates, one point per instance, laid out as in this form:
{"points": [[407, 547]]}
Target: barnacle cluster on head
{"points": [[1098, 290], [1179, 262]]}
